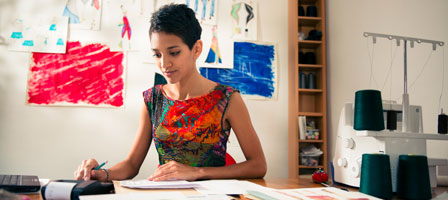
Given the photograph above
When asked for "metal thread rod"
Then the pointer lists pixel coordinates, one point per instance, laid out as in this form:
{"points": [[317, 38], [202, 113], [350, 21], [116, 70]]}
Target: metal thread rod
{"points": [[398, 38], [405, 76]]}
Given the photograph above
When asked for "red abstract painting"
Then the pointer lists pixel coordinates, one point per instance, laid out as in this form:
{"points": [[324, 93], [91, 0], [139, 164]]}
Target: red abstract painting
{"points": [[85, 75]]}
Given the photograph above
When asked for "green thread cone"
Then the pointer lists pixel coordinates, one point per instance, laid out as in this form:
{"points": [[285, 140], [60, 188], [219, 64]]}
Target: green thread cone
{"points": [[376, 179], [413, 177], [368, 110]]}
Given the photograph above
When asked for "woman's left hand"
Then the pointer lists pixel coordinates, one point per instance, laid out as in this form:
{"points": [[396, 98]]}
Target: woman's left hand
{"points": [[174, 171]]}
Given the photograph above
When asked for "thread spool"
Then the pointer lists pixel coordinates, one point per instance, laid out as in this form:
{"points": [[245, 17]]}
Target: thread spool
{"points": [[311, 81], [442, 124], [413, 177], [301, 58], [376, 179], [311, 11], [302, 83], [309, 58], [391, 120], [301, 11], [368, 110]]}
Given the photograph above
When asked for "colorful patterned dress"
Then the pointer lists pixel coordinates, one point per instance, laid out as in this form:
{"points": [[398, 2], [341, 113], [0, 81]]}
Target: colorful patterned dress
{"points": [[189, 131]]}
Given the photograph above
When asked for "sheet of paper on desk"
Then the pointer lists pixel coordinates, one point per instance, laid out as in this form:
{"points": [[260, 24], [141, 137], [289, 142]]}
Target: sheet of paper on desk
{"points": [[145, 184], [227, 187], [324, 194], [153, 196], [135, 196]]}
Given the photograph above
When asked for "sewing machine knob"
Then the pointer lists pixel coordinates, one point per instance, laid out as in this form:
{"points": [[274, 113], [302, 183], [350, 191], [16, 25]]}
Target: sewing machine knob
{"points": [[355, 170], [348, 143], [342, 162]]}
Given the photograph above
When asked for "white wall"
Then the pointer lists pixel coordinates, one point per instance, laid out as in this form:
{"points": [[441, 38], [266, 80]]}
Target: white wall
{"points": [[348, 59], [52, 141]]}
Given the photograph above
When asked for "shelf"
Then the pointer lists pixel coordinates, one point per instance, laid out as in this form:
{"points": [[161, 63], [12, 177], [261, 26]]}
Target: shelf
{"points": [[309, 43], [311, 103], [309, 21], [310, 114], [311, 141], [308, 2], [309, 91], [309, 66], [310, 167]]}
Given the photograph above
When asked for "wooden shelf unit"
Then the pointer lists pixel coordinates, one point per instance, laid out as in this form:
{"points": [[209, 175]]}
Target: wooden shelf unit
{"points": [[311, 103]]}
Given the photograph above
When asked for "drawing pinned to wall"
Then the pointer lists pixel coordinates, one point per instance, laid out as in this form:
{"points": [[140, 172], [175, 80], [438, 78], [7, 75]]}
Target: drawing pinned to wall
{"points": [[217, 49], [87, 75], [40, 34], [206, 10], [127, 26], [83, 14], [244, 16], [214, 56], [254, 73]]}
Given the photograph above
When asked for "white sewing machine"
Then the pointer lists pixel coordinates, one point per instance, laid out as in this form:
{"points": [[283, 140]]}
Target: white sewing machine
{"points": [[351, 144]]}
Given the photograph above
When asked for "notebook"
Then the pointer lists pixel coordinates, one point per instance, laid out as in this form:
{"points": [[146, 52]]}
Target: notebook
{"points": [[19, 183]]}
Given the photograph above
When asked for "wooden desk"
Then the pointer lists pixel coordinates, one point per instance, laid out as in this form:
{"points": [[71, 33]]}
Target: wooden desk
{"points": [[276, 183]]}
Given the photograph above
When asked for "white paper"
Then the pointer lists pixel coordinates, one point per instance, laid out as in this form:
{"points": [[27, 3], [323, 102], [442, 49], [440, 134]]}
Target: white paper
{"points": [[324, 193], [136, 196], [145, 184], [244, 14], [226, 187], [59, 190], [39, 34]]}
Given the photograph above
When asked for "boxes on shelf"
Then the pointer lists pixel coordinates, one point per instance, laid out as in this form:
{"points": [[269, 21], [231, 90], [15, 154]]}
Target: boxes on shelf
{"points": [[310, 155], [309, 160]]}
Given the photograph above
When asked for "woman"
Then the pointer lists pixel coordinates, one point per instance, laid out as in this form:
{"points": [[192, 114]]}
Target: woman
{"points": [[189, 118]]}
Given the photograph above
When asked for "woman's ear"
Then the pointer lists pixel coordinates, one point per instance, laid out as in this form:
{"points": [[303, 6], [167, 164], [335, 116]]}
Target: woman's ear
{"points": [[197, 49]]}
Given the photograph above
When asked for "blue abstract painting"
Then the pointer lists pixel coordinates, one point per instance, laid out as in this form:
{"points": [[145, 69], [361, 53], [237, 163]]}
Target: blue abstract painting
{"points": [[254, 71]]}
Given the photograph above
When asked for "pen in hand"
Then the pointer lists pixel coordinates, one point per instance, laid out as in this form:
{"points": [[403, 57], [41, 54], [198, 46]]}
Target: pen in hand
{"points": [[99, 166]]}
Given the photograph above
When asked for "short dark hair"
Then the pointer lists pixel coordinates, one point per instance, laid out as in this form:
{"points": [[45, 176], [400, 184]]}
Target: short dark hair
{"points": [[177, 19]]}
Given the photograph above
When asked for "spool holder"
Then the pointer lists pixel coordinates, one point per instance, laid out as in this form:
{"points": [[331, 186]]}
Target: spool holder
{"points": [[412, 41]]}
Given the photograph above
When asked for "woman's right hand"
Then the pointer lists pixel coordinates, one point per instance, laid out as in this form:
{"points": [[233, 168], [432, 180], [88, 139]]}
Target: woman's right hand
{"points": [[86, 171]]}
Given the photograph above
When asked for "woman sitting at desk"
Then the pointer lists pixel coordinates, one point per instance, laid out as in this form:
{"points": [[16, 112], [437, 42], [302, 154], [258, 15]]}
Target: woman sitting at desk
{"points": [[189, 118]]}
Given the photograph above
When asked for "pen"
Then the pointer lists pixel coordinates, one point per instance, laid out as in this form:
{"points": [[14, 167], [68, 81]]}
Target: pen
{"points": [[99, 166]]}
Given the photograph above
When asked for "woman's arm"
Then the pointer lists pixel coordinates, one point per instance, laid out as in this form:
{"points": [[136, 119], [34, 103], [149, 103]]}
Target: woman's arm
{"points": [[129, 167], [254, 167]]}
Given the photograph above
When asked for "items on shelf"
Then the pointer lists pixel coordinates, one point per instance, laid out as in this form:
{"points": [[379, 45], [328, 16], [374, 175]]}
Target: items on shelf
{"points": [[307, 129], [308, 82], [301, 11], [301, 36], [314, 35], [309, 58], [310, 155], [311, 81], [302, 82], [311, 11]]}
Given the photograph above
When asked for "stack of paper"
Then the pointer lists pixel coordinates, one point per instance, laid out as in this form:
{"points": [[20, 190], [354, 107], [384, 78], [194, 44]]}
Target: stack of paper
{"points": [[145, 184], [310, 150]]}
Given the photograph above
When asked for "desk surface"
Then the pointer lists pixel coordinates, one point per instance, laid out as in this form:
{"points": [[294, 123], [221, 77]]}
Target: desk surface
{"points": [[276, 183]]}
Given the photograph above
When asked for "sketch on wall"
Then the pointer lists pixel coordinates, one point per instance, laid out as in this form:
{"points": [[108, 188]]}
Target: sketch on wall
{"points": [[217, 51], [41, 34], [83, 14], [87, 75], [126, 26], [254, 73], [244, 14], [206, 10]]}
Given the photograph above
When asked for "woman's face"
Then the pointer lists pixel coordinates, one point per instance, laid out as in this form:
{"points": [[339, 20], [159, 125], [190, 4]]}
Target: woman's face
{"points": [[173, 57]]}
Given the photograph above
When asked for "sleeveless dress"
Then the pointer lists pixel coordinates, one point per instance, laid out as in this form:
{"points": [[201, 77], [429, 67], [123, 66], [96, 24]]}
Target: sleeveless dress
{"points": [[190, 131]]}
